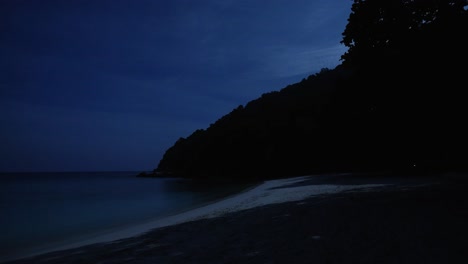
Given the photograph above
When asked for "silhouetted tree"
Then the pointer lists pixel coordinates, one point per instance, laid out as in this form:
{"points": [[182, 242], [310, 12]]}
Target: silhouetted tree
{"points": [[409, 60], [397, 100], [388, 31]]}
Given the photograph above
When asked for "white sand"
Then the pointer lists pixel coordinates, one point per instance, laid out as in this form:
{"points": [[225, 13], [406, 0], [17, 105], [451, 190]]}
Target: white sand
{"points": [[258, 196]]}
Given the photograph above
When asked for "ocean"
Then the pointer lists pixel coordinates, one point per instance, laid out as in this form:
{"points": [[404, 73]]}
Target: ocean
{"points": [[42, 210]]}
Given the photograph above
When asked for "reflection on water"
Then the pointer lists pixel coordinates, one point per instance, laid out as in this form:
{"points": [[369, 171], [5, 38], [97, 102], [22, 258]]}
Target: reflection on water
{"points": [[44, 208]]}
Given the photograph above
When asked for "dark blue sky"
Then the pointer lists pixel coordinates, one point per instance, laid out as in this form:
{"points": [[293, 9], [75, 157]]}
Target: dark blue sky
{"points": [[111, 84]]}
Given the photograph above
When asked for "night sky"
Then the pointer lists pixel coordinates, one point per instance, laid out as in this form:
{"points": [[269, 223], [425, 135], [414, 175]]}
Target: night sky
{"points": [[109, 85]]}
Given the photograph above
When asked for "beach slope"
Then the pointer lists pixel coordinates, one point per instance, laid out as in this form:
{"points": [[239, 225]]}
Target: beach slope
{"points": [[338, 219]]}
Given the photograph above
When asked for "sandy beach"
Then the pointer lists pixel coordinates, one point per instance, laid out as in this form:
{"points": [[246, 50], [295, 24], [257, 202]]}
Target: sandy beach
{"points": [[367, 218]]}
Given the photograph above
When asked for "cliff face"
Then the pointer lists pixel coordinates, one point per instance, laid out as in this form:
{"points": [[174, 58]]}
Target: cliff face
{"points": [[397, 102]]}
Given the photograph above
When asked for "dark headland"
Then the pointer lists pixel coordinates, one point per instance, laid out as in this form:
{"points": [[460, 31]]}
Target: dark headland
{"points": [[395, 106], [395, 109], [397, 102]]}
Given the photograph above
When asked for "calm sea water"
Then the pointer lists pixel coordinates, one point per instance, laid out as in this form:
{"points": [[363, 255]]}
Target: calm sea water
{"points": [[41, 209]]}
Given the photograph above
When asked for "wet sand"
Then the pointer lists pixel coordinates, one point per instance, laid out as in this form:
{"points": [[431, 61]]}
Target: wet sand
{"points": [[355, 219]]}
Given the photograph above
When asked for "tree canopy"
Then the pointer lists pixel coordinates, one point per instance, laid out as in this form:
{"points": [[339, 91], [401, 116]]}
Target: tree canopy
{"points": [[383, 30], [397, 101]]}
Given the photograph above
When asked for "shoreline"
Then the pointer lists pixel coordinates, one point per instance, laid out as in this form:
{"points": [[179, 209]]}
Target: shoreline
{"points": [[269, 193], [113, 234]]}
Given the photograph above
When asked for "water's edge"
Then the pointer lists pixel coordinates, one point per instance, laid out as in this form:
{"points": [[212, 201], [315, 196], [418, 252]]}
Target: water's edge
{"points": [[179, 197]]}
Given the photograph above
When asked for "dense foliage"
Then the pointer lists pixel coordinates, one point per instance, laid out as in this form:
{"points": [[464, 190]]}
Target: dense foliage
{"points": [[396, 102]]}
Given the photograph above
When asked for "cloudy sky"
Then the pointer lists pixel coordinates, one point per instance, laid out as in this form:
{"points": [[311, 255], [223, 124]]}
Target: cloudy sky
{"points": [[109, 85]]}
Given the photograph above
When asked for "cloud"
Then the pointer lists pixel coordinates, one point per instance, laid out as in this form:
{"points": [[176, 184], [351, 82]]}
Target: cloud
{"points": [[84, 76]]}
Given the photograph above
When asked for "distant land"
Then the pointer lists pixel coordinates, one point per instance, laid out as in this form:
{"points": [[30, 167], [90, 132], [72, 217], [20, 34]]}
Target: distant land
{"points": [[395, 103]]}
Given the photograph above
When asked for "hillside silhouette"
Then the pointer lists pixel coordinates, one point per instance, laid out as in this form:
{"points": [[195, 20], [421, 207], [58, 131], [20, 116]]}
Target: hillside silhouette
{"points": [[395, 103]]}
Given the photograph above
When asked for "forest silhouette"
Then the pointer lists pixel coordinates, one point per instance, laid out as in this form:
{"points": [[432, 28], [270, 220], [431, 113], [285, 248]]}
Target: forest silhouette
{"points": [[396, 103]]}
